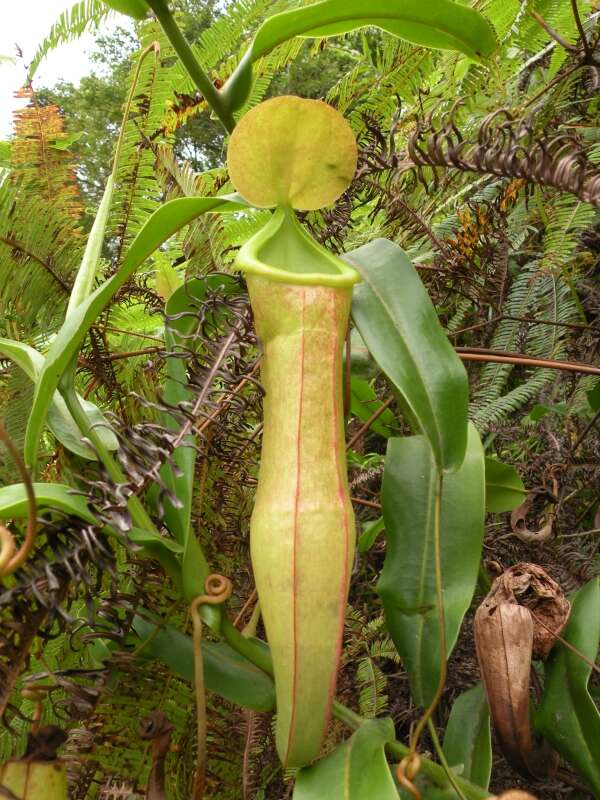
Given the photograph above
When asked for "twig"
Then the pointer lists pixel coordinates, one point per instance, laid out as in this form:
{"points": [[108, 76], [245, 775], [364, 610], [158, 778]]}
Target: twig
{"points": [[362, 502], [364, 428], [552, 33], [499, 357]]}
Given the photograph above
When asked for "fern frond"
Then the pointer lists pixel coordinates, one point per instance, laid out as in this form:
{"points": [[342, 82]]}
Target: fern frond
{"points": [[85, 15], [40, 250], [38, 160], [372, 683]]}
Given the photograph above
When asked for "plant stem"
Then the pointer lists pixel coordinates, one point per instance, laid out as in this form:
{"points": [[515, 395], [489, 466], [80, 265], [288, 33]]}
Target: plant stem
{"points": [[189, 61], [440, 754], [139, 515]]}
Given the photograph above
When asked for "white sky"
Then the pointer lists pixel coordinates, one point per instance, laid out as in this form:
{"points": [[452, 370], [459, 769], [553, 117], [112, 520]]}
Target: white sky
{"points": [[27, 23]]}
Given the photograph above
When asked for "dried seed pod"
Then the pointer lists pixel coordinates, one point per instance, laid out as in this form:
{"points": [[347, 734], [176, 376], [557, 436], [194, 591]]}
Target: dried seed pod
{"points": [[519, 619]]}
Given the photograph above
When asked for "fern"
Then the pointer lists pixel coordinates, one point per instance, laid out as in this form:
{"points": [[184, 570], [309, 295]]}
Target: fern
{"points": [[85, 15]]}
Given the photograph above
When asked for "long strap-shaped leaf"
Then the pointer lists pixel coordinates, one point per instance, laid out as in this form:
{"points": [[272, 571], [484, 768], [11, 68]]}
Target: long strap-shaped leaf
{"points": [[407, 583], [226, 672], [439, 24], [356, 769], [399, 325], [168, 219], [568, 716], [179, 472]]}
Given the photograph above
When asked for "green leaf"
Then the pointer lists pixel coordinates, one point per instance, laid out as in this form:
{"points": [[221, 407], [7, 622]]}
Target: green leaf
{"points": [[399, 325], [539, 411], [138, 9], [407, 582], [467, 741], [504, 490], [593, 397], [66, 141], [60, 421], [53, 496], [84, 280], [364, 403], [356, 770], [168, 219], [440, 24], [567, 715], [226, 672], [5, 154], [362, 364], [371, 531]]}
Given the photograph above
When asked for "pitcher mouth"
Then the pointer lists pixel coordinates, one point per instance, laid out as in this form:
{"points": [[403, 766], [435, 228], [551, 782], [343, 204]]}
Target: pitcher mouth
{"points": [[283, 251]]}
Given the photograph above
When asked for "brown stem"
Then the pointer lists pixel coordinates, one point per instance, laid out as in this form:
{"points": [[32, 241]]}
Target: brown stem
{"points": [[499, 357], [552, 33], [364, 428], [362, 502]]}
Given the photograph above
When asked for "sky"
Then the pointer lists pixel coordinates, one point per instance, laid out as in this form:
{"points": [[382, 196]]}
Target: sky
{"points": [[26, 23]]}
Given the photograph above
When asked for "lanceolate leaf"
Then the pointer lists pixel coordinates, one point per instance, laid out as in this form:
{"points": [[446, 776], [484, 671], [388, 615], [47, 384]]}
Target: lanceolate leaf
{"points": [[439, 24], [504, 490], [168, 219], [226, 672], [467, 741], [399, 325], [407, 582], [567, 716], [356, 770], [179, 475], [60, 421]]}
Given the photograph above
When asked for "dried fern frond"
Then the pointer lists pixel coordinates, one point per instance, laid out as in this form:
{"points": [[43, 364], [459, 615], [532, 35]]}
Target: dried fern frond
{"points": [[508, 148]]}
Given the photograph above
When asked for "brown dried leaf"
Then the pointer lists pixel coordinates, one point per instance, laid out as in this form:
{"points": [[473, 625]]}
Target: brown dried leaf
{"points": [[518, 523], [520, 618]]}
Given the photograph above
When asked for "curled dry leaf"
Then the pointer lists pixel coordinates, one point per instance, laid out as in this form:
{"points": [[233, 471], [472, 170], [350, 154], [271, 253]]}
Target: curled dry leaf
{"points": [[518, 523], [519, 619], [530, 586]]}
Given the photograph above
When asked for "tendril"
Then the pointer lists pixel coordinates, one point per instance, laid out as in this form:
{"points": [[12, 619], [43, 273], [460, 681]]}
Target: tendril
{"points": [[218, 590], [406, 771]]}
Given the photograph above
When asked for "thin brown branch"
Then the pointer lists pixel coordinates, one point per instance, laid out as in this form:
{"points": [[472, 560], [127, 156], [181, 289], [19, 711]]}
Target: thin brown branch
{"points": [[364, 428], [499, 357], [369, 503], [552, 33]]}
